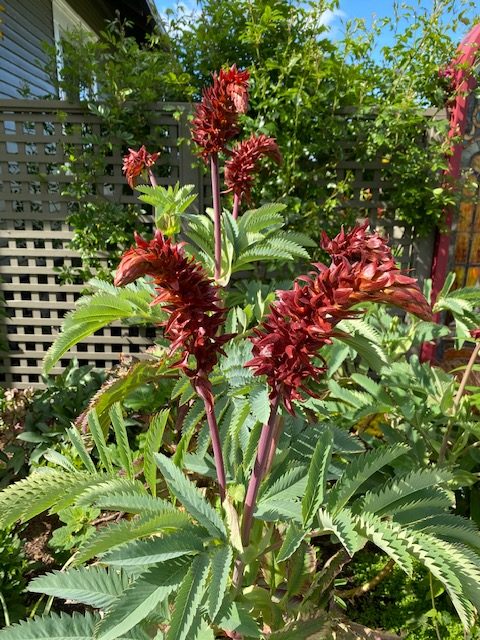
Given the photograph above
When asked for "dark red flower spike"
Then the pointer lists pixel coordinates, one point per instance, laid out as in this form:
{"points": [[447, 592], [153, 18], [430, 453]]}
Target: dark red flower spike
{"points": [[216, 117], [136, 162], [303, 320], [243, 164]]}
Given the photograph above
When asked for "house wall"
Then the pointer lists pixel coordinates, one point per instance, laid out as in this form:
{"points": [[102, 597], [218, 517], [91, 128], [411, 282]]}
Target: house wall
{"points": [[25, 25]]}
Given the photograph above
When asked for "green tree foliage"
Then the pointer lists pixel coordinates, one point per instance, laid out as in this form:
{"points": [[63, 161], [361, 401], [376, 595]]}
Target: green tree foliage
{"points": [[119, 80], [335, 102]]}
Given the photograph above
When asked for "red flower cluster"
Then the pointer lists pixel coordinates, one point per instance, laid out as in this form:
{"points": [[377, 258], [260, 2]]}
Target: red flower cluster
{"points": [[374, 274], [303, 320], [135, 162], [191, 299], [243, 164], [475, 333], [216, 117]]}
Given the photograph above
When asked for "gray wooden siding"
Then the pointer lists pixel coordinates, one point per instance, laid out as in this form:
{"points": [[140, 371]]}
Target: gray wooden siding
{"points": [[26, 25]]}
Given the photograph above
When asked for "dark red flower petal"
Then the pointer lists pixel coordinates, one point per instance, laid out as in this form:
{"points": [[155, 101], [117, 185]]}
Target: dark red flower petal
{"points": [[216, 117], [189, 297], [135, 162], [303, 320], [240, 169]]}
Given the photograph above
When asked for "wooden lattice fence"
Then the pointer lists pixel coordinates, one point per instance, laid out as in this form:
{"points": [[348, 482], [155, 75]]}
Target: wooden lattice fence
{"points": [[34, 236]]}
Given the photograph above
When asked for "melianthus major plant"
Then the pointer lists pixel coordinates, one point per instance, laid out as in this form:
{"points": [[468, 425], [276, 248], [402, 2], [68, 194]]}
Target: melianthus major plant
{"points": [[251, 545]]}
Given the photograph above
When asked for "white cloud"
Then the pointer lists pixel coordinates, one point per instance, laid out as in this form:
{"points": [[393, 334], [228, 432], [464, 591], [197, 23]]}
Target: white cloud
{"points": [[329, 17]]}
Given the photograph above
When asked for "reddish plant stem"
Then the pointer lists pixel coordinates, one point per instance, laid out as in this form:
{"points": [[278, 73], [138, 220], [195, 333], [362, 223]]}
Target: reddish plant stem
{"points": [[204, 390], [277, 432], [236, 206], [153, 180], [217, 214], [456, 402], [259, 471]]}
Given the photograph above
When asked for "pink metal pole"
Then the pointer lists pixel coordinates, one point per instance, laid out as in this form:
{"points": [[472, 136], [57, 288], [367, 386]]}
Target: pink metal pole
{"points": [[463, 83]]}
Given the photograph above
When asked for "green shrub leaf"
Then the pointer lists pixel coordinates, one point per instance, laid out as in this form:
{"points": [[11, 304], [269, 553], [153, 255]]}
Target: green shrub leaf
{"points": [[141, 598], [317, 477], [221, 559], [94, 586], [190, 497], [188, 599]]}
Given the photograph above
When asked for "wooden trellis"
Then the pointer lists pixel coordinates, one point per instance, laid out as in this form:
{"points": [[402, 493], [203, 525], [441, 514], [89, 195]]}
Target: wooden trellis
{"points": [[34, 234]]}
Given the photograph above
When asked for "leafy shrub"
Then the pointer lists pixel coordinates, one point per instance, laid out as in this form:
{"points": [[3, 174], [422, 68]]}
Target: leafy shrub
{"points": [[32, 422], [333, 101], [414, 606], [13, 567], [244, 522]]}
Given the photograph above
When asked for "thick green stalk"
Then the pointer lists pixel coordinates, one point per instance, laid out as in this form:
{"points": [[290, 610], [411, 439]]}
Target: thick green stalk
{"points": [[217, 214]]}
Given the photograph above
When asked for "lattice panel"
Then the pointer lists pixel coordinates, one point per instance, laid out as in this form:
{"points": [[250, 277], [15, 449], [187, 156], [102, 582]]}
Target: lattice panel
{"points": [[369, 188], [34, 237], [35, 137]]}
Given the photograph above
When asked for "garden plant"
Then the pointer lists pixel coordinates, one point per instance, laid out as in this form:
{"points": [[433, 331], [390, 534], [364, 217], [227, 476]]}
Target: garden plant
{"points": [[293, 430], [332, 103]]}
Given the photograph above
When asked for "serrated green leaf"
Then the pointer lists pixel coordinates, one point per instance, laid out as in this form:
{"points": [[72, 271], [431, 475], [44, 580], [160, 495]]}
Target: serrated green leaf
{"points": [[260, 403], [141, 598], [304, 629], [221, 560], [292, 540], [356, 399], [59, 459], [96, 312], [63, 627], [342, 525], [54, 627], [283, 510], [451, 528], [94, 586], [255, 220], [372, 353], [290, 485], [112, 485], [238, 415], [193, 418], [153, 441], [77, 441], [233, 616], [190, 497], [138, 374], [189, 597], [317, 477], [388, 537], [123, 447], [42, 490], [99, 439], [128, 502], [358, 471], [203, 631], [180, 386], [158, 549], [124, 531], [398, 489], [442, 561], [335, 355]]}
